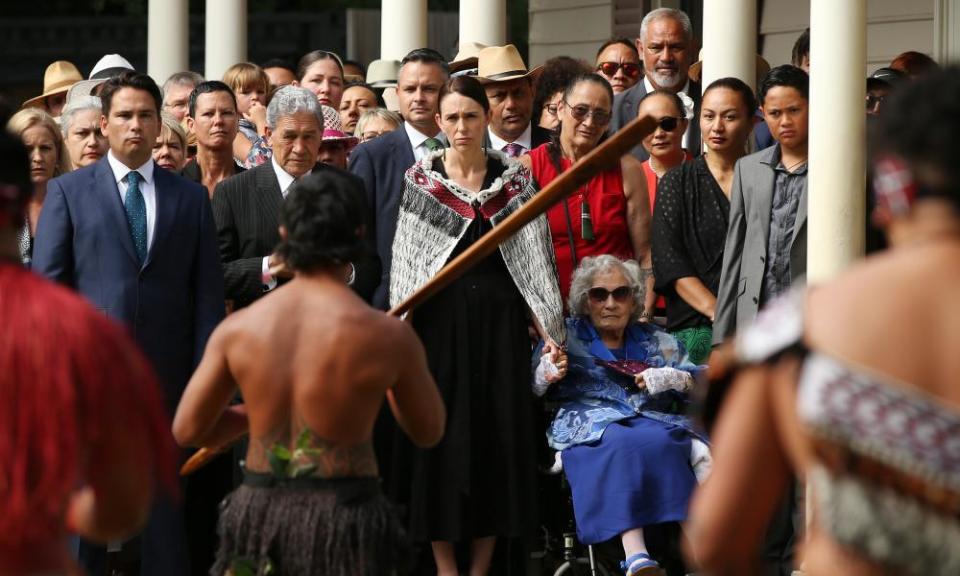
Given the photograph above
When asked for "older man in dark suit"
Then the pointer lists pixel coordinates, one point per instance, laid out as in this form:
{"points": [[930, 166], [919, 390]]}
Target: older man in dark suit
{"points": [[139, 243], [382, 162], [665, 44], [247, 206]]}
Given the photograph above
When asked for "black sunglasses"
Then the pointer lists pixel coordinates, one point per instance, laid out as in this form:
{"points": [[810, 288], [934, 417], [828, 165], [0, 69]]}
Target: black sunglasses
{"points": [[668, 123], [619, 294], [630, 70], [581, 112]]}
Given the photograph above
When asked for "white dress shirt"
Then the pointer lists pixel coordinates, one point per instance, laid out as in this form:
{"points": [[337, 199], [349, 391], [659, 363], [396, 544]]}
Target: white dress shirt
{"points": [[686, 135], [418, 141], [525, 140], [147, 188], [285, 180]]}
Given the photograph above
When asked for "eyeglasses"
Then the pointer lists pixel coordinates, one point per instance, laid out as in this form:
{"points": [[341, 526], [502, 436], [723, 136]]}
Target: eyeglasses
{"points": [[668, 123], [630, 69], [619, 294], [551, 109], [581, 112], [367, 136]]}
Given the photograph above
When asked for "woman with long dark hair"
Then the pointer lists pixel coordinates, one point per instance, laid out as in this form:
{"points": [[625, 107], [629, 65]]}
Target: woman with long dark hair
{"points": [[479, 483]]}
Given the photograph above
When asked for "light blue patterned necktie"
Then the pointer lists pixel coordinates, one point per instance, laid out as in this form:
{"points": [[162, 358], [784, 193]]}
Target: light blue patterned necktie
{"points": [[136, 214]]}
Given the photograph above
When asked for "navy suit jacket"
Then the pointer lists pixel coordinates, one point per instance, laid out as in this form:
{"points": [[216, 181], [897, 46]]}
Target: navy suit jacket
{"points": [[174, 300], [381, 164]]}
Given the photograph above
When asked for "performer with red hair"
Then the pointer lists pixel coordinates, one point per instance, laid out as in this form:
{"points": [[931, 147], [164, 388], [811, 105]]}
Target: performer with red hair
{"points": [[83, 437]]}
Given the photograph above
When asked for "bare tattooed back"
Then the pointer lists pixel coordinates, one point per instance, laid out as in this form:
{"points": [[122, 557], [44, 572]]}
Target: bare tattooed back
{"points": [[313, 364]]}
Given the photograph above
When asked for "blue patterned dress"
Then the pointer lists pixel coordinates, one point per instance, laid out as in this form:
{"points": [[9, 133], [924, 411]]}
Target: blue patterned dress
{"points": [[626, 454]]}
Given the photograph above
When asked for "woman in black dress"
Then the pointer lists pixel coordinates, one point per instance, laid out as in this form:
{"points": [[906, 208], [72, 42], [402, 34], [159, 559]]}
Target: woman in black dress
{"points": [[691, 213], [479, 482]]}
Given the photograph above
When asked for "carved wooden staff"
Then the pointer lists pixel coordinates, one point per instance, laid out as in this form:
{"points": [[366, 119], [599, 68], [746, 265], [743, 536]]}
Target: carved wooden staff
{"points": [[602, 158]]}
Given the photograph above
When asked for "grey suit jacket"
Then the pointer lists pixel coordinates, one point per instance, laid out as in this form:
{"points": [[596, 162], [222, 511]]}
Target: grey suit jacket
{"points": [[745, 251], [625, 106]]}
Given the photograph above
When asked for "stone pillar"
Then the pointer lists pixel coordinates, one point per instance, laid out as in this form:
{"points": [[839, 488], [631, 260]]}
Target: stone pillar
{"points": [[836, 181], [226, 36], [168, 44], [403, 27], [946, 40], [483, 21], [729, 41]]}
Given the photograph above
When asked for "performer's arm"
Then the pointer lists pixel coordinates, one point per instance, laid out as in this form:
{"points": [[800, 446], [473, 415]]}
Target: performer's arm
{"points": [[203, 417], [730, 512], [414, 399]]}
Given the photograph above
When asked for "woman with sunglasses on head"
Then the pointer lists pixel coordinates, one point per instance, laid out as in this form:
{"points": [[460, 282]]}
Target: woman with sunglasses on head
{"points": [[618, 61], [631, 459], [690, 216], [479, 483], [610, 214]]}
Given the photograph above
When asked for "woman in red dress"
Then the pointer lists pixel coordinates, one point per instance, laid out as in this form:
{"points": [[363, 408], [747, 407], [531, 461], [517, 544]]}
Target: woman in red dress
{"points": [[611, 213]]}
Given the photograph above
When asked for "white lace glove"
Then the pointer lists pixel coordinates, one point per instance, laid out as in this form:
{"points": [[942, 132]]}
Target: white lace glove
{"points": [[657, 380]]}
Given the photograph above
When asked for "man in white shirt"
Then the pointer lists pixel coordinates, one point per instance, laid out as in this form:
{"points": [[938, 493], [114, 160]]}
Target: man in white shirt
{"points": [[247, 206], [665, 44], [382, 162], [509, 88]]}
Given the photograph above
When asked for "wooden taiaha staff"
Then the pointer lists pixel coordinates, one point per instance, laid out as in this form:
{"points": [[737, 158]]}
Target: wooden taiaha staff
{"points": [[599, 159]]}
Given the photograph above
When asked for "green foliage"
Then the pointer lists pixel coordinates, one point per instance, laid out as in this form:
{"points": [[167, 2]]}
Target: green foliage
{"points": [[296, 464]]}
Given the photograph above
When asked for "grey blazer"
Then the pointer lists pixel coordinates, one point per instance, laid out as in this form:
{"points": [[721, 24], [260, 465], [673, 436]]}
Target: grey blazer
{"points": [[745, 251], [625, 106]]}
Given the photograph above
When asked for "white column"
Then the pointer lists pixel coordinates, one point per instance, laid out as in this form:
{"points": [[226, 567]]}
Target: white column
{"points": [[729, 41], [168, 45], [837, 161], [226, 36], [946, 39], [483, 21], [403, 27]]}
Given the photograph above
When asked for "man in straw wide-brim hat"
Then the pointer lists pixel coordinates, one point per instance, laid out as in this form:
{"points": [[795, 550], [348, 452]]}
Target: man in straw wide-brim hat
{"points": [[510, 89], [57, 79]]}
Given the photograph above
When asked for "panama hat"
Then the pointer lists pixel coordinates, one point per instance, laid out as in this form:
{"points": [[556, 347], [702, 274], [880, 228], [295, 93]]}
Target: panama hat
{"points": [[467, 57], [383, 73], [109, 66], [57, 79], [502, 63]]}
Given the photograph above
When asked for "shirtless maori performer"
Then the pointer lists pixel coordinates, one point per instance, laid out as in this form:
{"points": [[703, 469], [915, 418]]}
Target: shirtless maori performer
{"points": [[313, 363]]}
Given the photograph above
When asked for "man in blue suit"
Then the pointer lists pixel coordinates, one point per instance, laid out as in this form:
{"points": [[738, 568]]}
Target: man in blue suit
{"points": [[382, 162], [139, 243]]}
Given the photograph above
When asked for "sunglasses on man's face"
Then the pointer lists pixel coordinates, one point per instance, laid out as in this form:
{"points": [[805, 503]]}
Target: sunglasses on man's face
{"points": [[630, 70], [581, 112], [620, 294]]}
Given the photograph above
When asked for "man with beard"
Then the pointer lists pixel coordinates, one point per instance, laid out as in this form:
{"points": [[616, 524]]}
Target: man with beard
{"points": [[665, 41]]}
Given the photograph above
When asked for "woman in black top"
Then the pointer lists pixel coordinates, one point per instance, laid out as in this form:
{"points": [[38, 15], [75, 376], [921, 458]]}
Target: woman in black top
{"points": [[690, 216]]}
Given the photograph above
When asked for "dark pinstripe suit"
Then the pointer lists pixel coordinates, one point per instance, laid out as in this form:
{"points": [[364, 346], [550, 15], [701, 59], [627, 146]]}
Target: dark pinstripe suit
{"points": [[246, 208]]}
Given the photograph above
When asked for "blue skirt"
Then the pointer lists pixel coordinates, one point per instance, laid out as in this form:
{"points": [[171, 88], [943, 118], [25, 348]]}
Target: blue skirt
{"points": [[636, 475]]}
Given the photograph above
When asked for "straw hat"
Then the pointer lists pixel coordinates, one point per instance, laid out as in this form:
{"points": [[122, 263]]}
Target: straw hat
{"points": [[502, 63], [383, 73], [57, 79], [466, 58]]}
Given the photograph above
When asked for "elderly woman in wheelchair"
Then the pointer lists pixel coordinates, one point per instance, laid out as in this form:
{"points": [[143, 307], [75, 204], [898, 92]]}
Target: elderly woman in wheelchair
{"points": [[630, 457]]}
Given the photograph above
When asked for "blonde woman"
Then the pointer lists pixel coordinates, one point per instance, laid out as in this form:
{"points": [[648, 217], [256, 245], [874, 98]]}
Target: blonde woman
{"points": [[41, 135], [376, 122], [170, 149]]}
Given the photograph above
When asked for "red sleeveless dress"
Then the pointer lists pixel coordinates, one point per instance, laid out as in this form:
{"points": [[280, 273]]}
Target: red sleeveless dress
{"points": [[608, 214]]}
